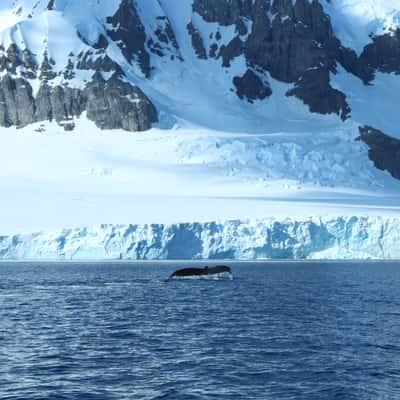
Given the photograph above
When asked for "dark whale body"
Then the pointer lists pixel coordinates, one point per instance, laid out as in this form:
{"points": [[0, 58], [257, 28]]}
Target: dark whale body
{"points": [[187, 272]]}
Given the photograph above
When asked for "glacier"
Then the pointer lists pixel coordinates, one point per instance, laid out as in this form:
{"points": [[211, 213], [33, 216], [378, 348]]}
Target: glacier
{"points": [[342, 237]]}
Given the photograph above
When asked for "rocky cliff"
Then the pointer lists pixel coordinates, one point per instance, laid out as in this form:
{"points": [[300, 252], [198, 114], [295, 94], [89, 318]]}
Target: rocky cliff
{"points": [[384, 151], [110, 101]]}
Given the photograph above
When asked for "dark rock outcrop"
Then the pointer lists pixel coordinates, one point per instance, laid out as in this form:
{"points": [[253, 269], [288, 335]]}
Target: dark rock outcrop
{"points": [[383, 54], [297, 39], [29, 64], [115, 104], [314, 89], [164, 42], [232, 50], [59, 103], [10, 59], [96, 61], [111, 104], [46, 69], [18, 106], [127, 30], [197, 41], [384, 150], [251, 87], [225, 12], [16, 102], [291, 41], [295, 43]]}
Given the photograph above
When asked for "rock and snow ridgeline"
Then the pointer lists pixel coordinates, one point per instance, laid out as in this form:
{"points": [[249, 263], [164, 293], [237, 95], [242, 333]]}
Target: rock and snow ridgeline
{"points": [[52, 53], [313, 238]]}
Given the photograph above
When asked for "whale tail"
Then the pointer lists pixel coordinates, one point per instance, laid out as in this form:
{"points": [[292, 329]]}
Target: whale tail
{"points": [[206, 272]]}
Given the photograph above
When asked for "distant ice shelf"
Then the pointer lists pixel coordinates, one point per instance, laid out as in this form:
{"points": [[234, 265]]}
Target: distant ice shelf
{"points": [[347, 237]]}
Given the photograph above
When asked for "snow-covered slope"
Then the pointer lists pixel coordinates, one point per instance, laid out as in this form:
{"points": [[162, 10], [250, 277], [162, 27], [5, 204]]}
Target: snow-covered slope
{"points": [[54, 179], [246, 109], [356, 21]]}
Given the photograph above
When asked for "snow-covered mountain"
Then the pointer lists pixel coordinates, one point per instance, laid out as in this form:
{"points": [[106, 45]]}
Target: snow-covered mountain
{"points": [[63, 57], [167, 111]]}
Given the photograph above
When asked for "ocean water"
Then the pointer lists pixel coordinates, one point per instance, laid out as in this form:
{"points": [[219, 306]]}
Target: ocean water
{"points": [[277, 331]]}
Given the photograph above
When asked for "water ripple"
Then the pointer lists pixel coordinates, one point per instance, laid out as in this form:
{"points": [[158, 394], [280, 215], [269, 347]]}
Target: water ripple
{"points": [[278, 331]]}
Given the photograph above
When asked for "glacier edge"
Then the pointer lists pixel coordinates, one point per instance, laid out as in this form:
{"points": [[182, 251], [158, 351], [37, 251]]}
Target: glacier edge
{"points": [[356, 237]]}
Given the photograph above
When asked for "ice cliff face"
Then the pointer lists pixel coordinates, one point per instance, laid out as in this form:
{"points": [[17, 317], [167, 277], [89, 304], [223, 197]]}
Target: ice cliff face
{"points": [[331, 238]]}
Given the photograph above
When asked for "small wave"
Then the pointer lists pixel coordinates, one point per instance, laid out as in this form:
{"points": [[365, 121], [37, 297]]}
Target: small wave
{"points": [[211, 277], [117, 284]]}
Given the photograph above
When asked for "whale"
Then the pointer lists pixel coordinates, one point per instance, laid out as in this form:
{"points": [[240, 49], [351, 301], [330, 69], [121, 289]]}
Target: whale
{"points": [[201, 272]]}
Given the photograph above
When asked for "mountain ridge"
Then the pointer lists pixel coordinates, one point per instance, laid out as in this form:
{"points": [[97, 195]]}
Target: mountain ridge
{"points": [[293, 42]]}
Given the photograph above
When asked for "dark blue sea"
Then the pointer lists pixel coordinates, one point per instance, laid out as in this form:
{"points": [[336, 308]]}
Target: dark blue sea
{"points": [[277, 331]]}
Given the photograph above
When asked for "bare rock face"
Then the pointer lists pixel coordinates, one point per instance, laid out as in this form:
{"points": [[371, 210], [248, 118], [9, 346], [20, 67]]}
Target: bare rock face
{"points": [[18, 106], [226, 12], [315, 90], [16, 102], [384, 151], [126, 28], [383, 54], [251, 87], [197, 41], [10, 59], [292, 41], [95, 61], [111, 104], [115, 104], [59, 103], [295, 41], [164, 42]]}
